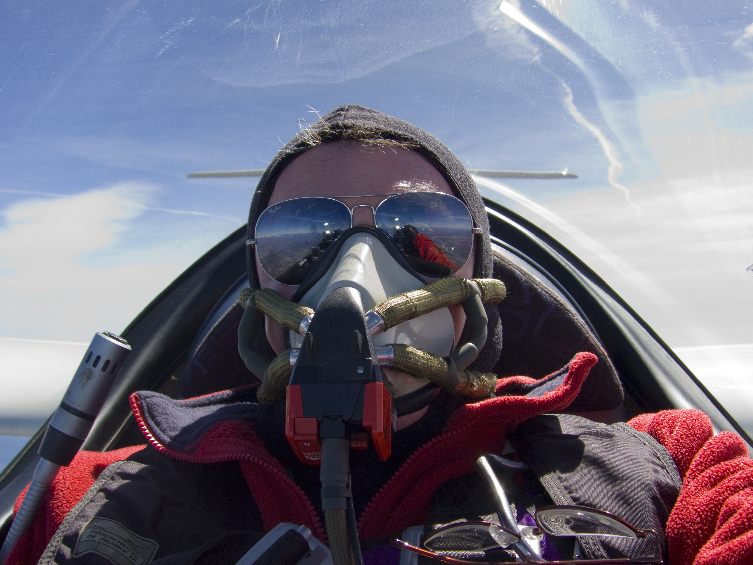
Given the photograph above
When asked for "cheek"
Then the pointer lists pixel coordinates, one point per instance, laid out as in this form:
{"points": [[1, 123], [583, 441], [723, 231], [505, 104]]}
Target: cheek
{"points": [[275, 335], [458, 318], [458, 314]]}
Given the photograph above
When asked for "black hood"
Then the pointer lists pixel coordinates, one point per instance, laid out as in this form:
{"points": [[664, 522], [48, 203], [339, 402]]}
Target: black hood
{"points": [[353, 118]]}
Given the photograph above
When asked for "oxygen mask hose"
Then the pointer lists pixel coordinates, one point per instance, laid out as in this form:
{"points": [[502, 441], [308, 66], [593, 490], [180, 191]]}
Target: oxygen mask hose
{"points": [[336, 494], [70, 424], [257, 304], [446, 372], [332, 385], [336, 402]]}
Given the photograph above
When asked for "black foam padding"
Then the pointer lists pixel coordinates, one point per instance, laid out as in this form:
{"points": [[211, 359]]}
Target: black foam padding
{"points": [[59, 448], [290, 547], [541, 335]]}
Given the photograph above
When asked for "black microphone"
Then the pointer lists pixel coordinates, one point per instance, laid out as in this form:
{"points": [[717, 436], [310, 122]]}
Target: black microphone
{"points": [[70, 424]]}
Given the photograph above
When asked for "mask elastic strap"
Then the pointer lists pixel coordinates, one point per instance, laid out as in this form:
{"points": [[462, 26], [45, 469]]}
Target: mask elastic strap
{"points": [[446, 372]]}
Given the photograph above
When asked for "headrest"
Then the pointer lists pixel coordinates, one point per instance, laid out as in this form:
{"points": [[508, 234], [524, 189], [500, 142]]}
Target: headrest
{"points": [[541, 335]]}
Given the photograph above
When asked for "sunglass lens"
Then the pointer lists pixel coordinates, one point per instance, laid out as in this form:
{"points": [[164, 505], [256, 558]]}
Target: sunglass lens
{"points": [[466, 536], [433, 230], [292, 235], [582, 522]]}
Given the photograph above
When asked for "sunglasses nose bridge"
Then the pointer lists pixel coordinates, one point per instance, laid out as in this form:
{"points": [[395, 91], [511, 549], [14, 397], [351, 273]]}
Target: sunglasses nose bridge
{"points": [[362, 215]]}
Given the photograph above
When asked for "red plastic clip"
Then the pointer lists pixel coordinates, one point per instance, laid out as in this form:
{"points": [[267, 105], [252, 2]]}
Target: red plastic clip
{"points": [[302, 433], [377, 418]]}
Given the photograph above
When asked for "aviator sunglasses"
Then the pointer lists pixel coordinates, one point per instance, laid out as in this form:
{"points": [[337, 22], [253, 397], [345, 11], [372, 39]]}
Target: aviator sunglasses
{"points": [[433, 231]]}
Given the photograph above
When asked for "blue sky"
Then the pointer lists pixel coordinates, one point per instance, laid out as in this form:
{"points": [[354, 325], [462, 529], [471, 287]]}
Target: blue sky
{"points": [[104, 107]]}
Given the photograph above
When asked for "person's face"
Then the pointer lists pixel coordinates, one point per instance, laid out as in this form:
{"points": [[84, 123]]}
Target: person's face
{"points": [[346, 169]]}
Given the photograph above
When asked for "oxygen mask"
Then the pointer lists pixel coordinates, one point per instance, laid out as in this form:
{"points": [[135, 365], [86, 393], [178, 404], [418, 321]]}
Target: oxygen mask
{"points": [[361, 306], [408, 321], [364, 263]]}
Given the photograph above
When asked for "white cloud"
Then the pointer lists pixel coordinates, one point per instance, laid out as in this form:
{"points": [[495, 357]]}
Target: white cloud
{"points": [[700, 129], [744, 43], [61, 230], [681, 263], [74, 265], [610, 151], [727, 372], [574, 237], [34, 376], [694, 235], [693, 240]]}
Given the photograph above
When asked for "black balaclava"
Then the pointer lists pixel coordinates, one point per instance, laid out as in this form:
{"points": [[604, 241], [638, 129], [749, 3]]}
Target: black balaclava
{"points": [[344, 123]]}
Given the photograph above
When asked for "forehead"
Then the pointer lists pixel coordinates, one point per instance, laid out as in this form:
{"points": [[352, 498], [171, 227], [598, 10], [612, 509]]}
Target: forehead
{"points": [[349, 168]]}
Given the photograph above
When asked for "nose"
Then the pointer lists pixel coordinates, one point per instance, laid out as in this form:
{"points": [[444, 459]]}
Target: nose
{"points": [[363, 215]]}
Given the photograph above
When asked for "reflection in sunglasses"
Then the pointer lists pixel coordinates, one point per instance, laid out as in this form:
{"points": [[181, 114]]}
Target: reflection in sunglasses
{"points": [[432, 231]]}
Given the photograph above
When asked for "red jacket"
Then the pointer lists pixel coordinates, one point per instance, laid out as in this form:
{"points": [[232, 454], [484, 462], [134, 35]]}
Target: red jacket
{"points": [[712, 521]]}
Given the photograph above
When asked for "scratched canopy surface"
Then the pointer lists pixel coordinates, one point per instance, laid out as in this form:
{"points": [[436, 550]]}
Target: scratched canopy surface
{"points": [[106, 106]]}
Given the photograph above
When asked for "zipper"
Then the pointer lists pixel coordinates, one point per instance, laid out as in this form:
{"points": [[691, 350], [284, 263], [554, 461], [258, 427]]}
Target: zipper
{"points": [[509, 416], [418, 453], [238, 456], [135, 404], [432, 443]]}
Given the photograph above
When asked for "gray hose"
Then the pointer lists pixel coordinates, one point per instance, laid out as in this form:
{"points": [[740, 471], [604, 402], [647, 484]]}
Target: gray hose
{"points": [[44, 474], [335, 477], [477, 321], [251, 322]]}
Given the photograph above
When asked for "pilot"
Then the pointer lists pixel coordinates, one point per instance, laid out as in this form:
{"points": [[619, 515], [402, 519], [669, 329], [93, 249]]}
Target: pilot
{"points": [[363, 178], [360, 210]]}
